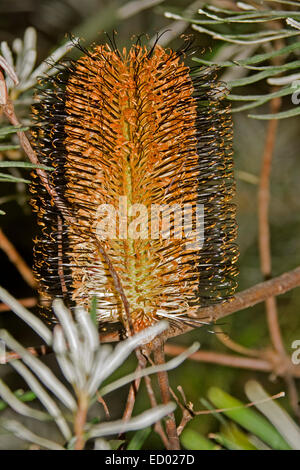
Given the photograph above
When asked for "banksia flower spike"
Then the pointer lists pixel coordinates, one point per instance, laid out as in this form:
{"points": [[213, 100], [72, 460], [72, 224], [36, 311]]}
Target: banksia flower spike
{"points": [[141, 154]]}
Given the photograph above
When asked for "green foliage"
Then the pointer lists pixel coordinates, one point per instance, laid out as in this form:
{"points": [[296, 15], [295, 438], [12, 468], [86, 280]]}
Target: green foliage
{"points": [[21, 395], [138, 439], [251, 29], [246, 428], [247, 418], [194, 441], [21, 60]]}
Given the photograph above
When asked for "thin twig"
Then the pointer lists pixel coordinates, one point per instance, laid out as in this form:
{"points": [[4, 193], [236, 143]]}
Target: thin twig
{"points": [[134, 387], [268, 363], [17, 260], [247, 298], [103, 403], [158, 428], [28, 302], [186, 408], [165, 395], [79, 422], [227, 341], [265, 246], [263, 224], [254, 295]]}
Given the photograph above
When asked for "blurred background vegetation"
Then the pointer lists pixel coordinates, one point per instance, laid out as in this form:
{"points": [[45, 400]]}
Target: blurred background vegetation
{"points": [[87, 19]]}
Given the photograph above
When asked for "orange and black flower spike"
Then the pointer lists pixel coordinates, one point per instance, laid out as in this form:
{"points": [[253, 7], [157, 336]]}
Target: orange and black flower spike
{"points": [[137, 125]]}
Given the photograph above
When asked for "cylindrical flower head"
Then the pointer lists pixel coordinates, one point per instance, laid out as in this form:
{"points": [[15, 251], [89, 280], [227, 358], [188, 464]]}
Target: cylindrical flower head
{"points": [[142, 159]]}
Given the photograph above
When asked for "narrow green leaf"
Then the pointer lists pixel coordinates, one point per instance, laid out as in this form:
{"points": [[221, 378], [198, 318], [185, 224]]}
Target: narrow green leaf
{"points": [[115, 443], [222, 10], [268, 96], [256, 59], [282, 115], [247, 418], [12, 179], [192, 440], [5, 147], [139, 438], [249, 106], [254, 78], [256, 38], [237, 437], [4, 131], [10, 164], [226, 442], [286, 2], [22, 396], [209, 406], [93, 310], [255, 16], [226, 63], [295, 64], [25, 396]]}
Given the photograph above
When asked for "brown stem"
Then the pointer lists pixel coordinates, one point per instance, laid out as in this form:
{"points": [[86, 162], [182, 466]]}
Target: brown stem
{"points": [[247, 298], [28, 302], [269, 361], [80, 420], [263, 224], [134, 387], [17, 260], [163, 382], [157, 426], [103, 403], [254, 295], [187, 410], [221, 359], [265, 246], [227, 341]]}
